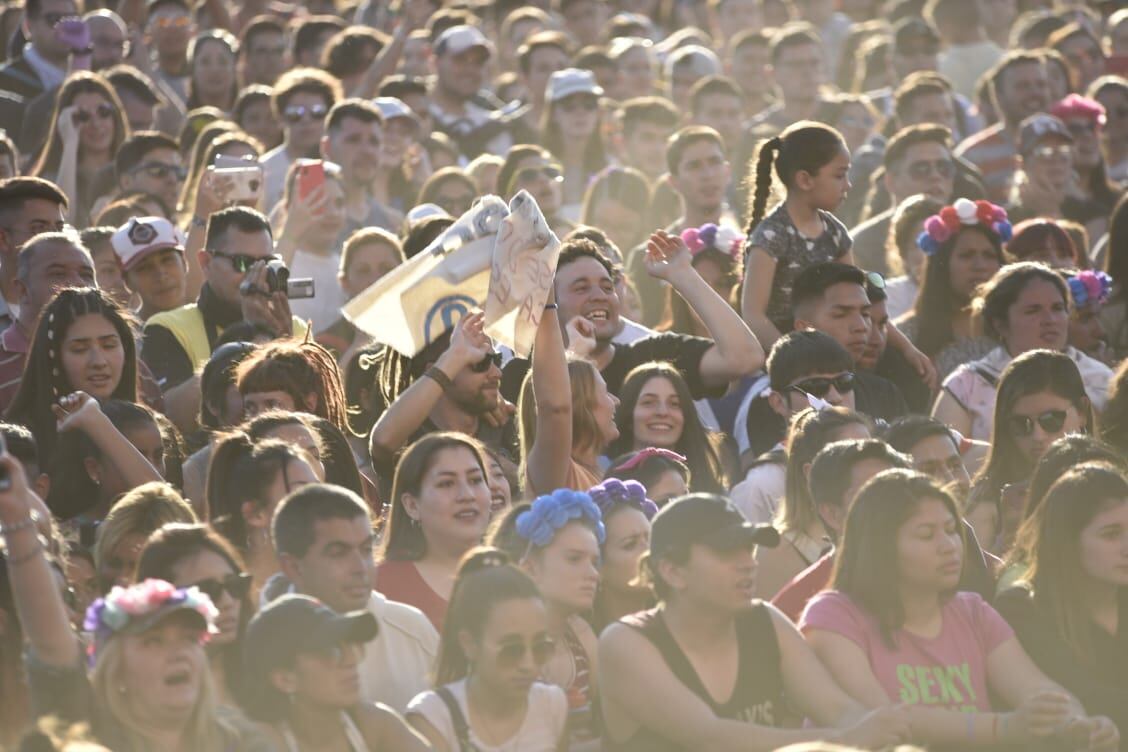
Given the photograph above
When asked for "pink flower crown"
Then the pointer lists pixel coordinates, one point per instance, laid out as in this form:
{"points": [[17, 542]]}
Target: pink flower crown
{"points": [[939, 228], [709, 236], [1089, 287], [140, 605]]}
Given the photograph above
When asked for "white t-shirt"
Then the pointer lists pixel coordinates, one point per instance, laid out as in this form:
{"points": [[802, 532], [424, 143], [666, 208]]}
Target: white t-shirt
{"points": [[324, 308], [541, 730]]}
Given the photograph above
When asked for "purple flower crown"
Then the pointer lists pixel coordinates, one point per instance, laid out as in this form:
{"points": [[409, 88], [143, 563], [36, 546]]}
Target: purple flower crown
{"points": [[709, 236], [614, 491], [122, 606], [939, 228], [539, 523], [1089, 287]]}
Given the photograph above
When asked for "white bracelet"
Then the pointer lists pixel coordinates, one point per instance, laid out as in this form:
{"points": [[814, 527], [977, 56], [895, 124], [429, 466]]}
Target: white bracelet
{"points": [[31, 521]]}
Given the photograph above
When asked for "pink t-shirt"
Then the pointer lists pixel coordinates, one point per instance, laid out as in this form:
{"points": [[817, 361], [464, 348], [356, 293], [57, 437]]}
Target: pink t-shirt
{"points": [[949, 670]]}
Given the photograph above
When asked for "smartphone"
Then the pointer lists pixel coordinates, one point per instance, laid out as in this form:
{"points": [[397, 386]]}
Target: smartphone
{"points": [[311, 176], [247, 179]]}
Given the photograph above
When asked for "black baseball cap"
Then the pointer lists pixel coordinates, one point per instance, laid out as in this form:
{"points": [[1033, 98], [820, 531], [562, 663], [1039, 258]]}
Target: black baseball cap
{"points": [[709, 520], [295, 624]]}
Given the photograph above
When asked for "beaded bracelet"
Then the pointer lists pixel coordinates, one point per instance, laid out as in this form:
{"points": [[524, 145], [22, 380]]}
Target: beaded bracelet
{"points": [[31, 521]]}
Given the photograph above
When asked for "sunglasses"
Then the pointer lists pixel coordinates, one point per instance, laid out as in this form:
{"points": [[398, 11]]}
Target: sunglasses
{"points": [[295, 113], [511, 654], [575, 104], [161, 170], [1063, 151], [102, 112], [924, 168], [549, 172], [241, 262], [236, 585], [1051, 421], [819, 386], [180, 22], [483, 365]]}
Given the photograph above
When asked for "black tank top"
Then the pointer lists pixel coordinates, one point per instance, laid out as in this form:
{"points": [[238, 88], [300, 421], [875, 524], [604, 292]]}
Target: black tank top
{"points": [[757, 695]]}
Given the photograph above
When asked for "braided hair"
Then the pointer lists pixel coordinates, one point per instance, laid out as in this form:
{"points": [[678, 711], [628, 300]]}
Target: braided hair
{"points": [[805, 146]]}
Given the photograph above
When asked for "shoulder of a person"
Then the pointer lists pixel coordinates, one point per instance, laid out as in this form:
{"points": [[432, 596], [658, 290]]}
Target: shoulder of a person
{"points": [[401, 617], [583, 631], [373, 719]]}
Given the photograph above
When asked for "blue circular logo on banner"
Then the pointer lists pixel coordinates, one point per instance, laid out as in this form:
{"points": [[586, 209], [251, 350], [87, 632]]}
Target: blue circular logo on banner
{"points": [[444, 314]]}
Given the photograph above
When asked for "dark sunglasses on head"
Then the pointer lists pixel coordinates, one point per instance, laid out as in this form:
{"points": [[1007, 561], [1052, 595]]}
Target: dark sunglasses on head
{"points": [[161, 170], [241, 262], [295, 113], [483, 365], [236, 585], [1051, 421], [511, 654], [819, 386], [102, 112]]}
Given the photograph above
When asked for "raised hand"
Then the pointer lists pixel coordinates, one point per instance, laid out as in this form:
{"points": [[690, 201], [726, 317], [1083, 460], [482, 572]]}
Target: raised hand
{"points": [[580, 335], [261, 306], [68, 129], [75, 410], [667, 256], [469, 343]]}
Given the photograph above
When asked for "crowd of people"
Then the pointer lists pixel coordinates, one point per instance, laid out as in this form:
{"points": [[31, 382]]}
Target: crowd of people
{"points": [[821, 443]]}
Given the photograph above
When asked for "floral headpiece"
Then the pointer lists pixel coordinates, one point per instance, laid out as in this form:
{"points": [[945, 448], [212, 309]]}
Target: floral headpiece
{"points": [[939, 228], [1089, 287], [549, 513], [709, 236], [614, 491], [139, 607]]}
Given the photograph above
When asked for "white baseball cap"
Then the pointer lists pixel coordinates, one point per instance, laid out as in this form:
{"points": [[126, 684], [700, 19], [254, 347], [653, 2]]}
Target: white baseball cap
{"points": [[458, 39], [565, 83], [143, 236], [393, 107]]}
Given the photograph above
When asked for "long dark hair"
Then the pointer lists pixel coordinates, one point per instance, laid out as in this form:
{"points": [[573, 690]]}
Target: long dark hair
{"points": [[403, 540], [486, 577], [937, 303], [866, 567], [696, 443], [1053, 534], [79, 82], [805, 146], [595, 152], [1030, 373], [224, 39], [175, 542], [45, 380]]}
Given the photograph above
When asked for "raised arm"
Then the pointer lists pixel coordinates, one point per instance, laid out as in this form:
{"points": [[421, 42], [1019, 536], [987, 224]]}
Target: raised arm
{"points": [[35, 591], [80, 411], [468, 345], [756, 293], [736, 352], [548, 459]]}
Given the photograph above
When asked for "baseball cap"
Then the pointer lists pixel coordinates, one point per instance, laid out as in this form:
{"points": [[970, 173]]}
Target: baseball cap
{"points": [[294, 624], [143, 236], [912, 30], [565, 83], [393, 107], [141, 606], [458, 39], [706, 519], [1037, 127]]}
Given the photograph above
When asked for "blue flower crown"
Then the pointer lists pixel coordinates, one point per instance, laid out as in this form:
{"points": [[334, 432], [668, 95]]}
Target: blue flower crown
{"points": [[539, 523], [614, 491]]}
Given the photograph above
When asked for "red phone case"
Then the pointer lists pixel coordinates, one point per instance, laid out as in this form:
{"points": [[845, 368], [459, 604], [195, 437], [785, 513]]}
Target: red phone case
{"points": [[310, 178]]}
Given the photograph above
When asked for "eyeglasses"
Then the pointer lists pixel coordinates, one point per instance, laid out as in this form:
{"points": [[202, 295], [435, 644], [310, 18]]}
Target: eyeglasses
{"points": [[819, 386], [1061, 151], [550, 172], [1051, 421], [241, 262], [167, 22], [483, 365], [511, 654], [102, 112], [924, 168], [295, 113], [574, 104], [236, 585], [161, 170]]}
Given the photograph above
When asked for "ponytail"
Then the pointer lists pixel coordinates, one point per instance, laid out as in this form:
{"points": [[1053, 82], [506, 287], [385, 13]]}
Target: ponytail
{"points": [[762, 176]]}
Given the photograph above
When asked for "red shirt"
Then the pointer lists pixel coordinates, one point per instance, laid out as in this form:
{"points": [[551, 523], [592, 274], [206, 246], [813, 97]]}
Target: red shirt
{"points": [[400, 581], [13, 355], [793, 597]]}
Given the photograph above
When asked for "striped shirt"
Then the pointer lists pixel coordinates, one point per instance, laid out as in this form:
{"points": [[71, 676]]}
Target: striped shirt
{"points": [[13, 354], [994, 152]]}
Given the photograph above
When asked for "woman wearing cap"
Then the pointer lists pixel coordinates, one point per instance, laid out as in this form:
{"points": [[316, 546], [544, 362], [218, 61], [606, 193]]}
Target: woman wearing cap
{"points": [[302, 680], [149, 687], [494, 647], [708, 668], [573, 134], [1092, 195], [1044, 170], [893, 629]]}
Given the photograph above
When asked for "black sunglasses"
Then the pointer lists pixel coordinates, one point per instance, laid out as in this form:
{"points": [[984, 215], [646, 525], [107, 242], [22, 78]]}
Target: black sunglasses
{"points": [[483, 365], [819, 386], [295, 113], [512, 653], [161, 170], [1051, 421], [237, 585], [102, 111], [241, 262]]}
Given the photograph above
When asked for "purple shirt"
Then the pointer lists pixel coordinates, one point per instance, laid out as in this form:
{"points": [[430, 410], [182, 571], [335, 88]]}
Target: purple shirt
{"points": [[949, 670]]}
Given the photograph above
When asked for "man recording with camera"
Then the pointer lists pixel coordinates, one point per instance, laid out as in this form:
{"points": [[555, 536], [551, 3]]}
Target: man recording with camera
{"points": [[238, 247]]}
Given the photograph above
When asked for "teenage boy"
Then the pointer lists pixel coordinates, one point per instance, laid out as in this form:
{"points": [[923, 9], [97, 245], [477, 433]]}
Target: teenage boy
{"points": [[151, 253]]}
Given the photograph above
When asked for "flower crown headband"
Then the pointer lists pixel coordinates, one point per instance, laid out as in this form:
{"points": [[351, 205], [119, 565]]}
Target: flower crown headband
{"points": [[939, 228], [539, 523], [1089, 287], [123, 607], [642, 455], [709, 236], [614, 491]]}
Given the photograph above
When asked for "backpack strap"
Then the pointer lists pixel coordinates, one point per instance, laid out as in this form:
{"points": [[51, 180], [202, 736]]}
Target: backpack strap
{"points": [[461, 727]]}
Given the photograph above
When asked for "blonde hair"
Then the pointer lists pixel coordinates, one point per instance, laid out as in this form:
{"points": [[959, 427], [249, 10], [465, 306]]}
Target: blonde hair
{"points": [[145, 509], [585, 428]]}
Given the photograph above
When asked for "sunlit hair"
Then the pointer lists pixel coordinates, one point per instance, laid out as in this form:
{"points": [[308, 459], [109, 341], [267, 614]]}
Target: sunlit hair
{"points": [[203, 155], [299, 368], [585, 428], [79, 82], [142, 511]]}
